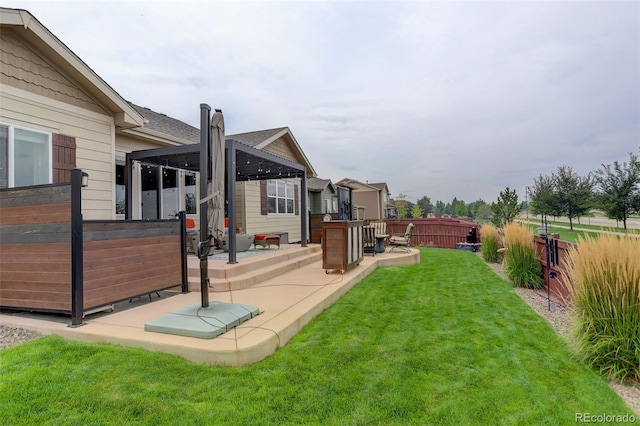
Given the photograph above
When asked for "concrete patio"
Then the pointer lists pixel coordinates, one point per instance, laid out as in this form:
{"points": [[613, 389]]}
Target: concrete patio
{"points": [[289, 286]]}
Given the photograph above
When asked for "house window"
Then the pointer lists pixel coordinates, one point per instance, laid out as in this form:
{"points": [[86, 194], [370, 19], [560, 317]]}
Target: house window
{"points": [[327, 206], [120, 189], [190, 199], [280, 197], [25, 157]]}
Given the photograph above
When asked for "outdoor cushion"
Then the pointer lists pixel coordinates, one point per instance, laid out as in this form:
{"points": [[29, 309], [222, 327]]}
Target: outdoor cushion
{"points": [[265, 240]]}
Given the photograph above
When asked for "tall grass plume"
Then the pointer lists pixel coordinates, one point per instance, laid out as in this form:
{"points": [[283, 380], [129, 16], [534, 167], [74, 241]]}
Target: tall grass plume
{"points": [[521, 262], [490, 239], [604, 282]]}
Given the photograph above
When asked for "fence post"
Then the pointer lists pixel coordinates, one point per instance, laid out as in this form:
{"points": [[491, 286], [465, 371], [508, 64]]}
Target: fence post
{"points": [[183, 248], [77, 267]]}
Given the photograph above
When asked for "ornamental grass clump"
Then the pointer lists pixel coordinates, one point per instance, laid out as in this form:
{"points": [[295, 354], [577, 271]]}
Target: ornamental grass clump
{"points": [[490, 243], [604, 282], [521, 262]]}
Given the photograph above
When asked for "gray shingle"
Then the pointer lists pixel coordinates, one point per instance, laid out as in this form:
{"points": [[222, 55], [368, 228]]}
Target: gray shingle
{"points": [[255, 138], [167, 125]]}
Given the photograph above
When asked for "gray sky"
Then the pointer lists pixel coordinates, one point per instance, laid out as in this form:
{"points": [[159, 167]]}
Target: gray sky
{"points": [[443, 99]]}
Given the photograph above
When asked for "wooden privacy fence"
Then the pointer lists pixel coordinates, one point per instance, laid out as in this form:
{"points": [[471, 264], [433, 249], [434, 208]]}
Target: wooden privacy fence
{"points": [[53, 261], [433, 232], [554, 265]]}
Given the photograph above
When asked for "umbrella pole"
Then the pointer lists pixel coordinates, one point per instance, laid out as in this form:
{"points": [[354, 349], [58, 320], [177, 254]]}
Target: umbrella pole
{"points": [[204, 246]]}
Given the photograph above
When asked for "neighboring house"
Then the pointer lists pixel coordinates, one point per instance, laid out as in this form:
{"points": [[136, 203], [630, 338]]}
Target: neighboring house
{"points": [[323, 196], [272, 205], [57, 114], [372, 197]]}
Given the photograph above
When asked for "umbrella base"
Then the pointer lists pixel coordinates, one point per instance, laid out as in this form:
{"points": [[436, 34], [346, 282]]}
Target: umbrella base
{"points": [[202, 323]]}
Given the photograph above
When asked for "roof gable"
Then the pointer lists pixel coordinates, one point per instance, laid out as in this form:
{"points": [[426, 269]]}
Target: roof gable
{"points": [[357, 185], [382, 186], [279, 141], [26, 27], [315, 184]]}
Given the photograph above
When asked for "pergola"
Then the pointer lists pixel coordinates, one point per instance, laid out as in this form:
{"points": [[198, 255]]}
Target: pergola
{"points": [[242, 163]]}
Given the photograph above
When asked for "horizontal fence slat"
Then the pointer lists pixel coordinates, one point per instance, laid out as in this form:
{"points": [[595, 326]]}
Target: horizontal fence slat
{"points": [[45, 213], [35, 195], [39, 233], [37, 305], [118, 230], [115, 279]]}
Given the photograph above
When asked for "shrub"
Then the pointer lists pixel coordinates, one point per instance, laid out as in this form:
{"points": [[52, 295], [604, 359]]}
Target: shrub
{"points": [[522, 264], [490, 243], [603, 274]]}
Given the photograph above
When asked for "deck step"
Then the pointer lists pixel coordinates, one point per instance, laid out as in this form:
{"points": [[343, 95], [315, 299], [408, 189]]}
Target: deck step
{"points": [[249, 272]]}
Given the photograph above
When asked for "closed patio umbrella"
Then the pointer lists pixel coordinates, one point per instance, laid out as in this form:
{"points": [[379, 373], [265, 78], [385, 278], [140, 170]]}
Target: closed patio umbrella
{"points": [[216, 191]]}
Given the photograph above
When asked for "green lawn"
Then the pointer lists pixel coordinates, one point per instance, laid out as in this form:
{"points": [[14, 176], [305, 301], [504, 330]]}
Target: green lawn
{"points": [[565, 234], [446, 341], [584, 225]]}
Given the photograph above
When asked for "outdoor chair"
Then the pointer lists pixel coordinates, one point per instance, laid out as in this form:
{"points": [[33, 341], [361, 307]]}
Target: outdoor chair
{"points": [[401, 242], [369, 239], [192, 235], [380, 231]]}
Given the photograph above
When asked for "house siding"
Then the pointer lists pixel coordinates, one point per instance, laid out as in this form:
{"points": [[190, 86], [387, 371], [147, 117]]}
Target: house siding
{"points": [[259, 224], [94, 133], [370, 201], [315, 202], [281, 148], [28, 69]]}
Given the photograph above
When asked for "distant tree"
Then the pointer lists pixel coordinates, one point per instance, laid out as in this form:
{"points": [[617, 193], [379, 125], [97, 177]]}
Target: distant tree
{"points": [[544, 199], [401, 206], [461, 209], [416, 212], [425, 204], [448, 209], [439, 209], [480, 210], [573, 193], [506, 208], [619, 189]]}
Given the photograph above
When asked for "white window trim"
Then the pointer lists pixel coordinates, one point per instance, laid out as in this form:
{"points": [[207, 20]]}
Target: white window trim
{"points": [[287, 184], [11, 152]]}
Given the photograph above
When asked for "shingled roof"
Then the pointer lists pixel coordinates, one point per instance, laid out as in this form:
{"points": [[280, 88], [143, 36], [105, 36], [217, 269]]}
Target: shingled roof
{"points": [[256, 138], [167, 125], [317, 184]]}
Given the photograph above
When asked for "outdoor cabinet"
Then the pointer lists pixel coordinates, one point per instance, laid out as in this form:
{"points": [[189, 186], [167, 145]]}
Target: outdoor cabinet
{"points": [[341, 244]]}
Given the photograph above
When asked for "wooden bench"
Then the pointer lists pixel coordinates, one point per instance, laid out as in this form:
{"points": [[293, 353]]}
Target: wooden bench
{"points": [[265, 240]]}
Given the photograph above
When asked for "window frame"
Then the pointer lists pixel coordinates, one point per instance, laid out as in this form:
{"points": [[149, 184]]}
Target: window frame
{"points": [[287, 197], [11, 161]]}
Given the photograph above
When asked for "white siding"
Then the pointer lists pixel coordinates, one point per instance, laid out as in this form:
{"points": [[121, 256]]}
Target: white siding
{"points": [[94, 141], [259, 224]]}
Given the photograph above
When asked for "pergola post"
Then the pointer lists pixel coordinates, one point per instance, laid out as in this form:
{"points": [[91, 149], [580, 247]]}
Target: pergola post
{"points": [[303, 207]]}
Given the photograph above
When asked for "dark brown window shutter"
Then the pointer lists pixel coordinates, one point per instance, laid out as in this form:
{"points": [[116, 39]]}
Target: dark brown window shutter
{"points": [[64, 157], [264, 209], [296, 198]]}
